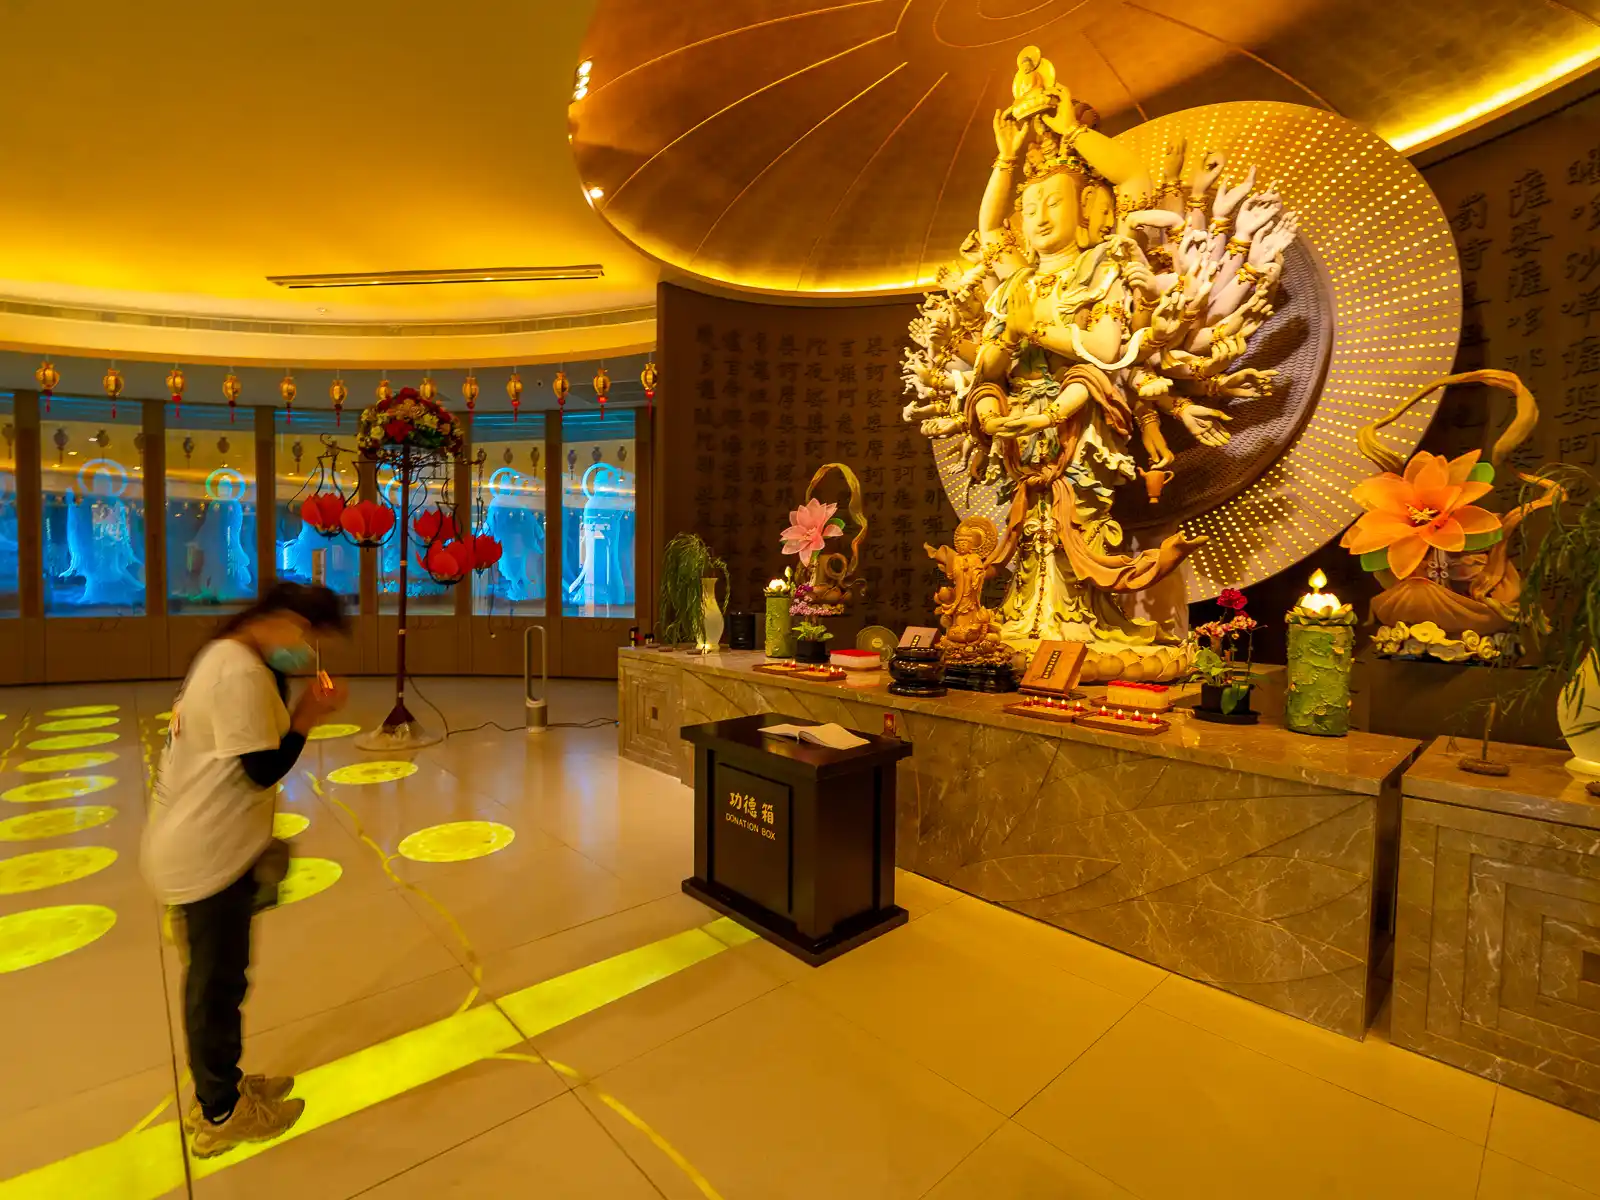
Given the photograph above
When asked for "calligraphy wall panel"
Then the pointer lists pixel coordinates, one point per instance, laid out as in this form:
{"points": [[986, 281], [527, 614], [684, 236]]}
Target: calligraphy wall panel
{"points": [[1525, 208], [754, 398]]}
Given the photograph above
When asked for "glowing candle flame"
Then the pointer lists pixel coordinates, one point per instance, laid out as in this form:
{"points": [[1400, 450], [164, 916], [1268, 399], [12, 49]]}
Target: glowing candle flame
{"points": [[1318, 601]]}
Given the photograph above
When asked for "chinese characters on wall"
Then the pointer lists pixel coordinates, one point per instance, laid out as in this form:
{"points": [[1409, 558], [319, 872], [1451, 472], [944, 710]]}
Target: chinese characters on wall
{"points": [[775, 392], [1525, 211]]}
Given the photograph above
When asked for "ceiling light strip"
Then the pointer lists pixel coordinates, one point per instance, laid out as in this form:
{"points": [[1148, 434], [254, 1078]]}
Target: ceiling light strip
{"points": [[458, 275]]}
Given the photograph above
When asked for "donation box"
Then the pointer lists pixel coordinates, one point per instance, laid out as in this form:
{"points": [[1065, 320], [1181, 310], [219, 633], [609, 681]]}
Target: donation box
{"points": [[792, 840]]}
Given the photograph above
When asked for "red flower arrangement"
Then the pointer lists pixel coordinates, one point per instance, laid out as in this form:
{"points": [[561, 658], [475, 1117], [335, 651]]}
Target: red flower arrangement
{"points": [[1232, 598], [367, 522], [324, 512], [434, 525], [407, 419]]}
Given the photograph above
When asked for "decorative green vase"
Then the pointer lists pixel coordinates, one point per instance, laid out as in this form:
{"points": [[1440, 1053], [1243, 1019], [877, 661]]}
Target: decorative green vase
{"points": [[1318, 697], [780, 628]]}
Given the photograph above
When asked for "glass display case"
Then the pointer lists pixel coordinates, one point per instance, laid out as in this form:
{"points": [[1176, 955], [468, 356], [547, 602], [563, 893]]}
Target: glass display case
{"points": [[598, 514], [10, 600], [92, 478], [305, 464], [508, 503], [212, 554]]}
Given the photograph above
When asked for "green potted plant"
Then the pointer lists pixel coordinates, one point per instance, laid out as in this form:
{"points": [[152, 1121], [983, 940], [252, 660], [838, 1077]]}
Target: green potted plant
{"points": [[811, 640], [1225, 680], [1559, 608], [682, 598]]}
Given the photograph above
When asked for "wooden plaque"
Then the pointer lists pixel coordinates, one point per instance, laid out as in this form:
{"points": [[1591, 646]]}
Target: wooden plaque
{"points": [[1055, 668]]}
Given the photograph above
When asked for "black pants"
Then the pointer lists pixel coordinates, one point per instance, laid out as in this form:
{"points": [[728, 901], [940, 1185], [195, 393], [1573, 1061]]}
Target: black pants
{"points": [[214, 988]]}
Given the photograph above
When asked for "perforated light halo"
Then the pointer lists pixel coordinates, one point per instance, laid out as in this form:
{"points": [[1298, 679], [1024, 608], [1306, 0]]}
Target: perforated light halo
{"points": [[85, 710], [67, 762], [307, 877], [44, 791], [73, 741], [73, 724], [322, 733], [286, 825], [51, 868], [41, 934], [1384, 245], [457, 841], [54, 822], [372, 772]]}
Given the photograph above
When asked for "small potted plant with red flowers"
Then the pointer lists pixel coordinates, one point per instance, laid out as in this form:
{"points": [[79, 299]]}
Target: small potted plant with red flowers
{"points": [[1224, 663]]}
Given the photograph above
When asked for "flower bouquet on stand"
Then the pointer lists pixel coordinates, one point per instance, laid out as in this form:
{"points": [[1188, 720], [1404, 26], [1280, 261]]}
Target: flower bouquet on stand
{"points": [[1224, 663]]}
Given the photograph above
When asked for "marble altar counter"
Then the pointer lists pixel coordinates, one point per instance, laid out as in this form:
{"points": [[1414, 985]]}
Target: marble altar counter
{"points": [[1246, 857], [1497, 956]]}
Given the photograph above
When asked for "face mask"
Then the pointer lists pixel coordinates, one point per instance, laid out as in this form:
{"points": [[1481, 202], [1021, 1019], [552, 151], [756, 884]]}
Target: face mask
{"points": [[289, 659]]}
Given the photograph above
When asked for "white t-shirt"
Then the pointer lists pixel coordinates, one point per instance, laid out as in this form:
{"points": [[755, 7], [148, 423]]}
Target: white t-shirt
{"points": [[208, 821]]}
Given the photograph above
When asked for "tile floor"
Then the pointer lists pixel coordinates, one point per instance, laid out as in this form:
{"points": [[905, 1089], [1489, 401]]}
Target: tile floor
{"points": [[971, 1055]]}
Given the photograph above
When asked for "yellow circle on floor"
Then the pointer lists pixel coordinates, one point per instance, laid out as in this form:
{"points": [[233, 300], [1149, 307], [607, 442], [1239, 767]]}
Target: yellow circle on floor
{"points": [[66, 762], [286, 825], [76, 723], [73, 741], [457, 841], [54, 822], [307, 877], [40, 934], [69, 788], [321, 733], [372, 772], [50, 868], [85, 710]]}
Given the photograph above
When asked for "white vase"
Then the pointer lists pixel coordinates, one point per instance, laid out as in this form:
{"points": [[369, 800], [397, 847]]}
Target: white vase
{"points": [[710, 616], [1580, 724]]}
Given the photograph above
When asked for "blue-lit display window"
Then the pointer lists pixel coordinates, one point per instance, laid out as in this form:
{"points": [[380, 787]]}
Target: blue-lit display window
{"points": [[212, 555], [92, 472], [433, 488], [10, 601], [306, 464], [598, 512], [508, 503]]}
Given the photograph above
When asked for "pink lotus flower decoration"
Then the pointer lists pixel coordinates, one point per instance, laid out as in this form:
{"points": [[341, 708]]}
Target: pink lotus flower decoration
{"points": [[809, 526]]}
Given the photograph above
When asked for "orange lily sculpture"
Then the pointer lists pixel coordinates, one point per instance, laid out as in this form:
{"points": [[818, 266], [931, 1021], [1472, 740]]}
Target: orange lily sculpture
{"points": [[1429, 508]]}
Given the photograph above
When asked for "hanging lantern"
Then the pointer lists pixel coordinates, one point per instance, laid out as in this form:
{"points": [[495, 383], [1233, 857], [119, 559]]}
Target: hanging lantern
{"points": [[561, 387], [175, 383], [288, 391], [47, 377], [447, 562], [113, 385], [385, 392], [486, 551], [650, 377], [434, 525], [427, 391], [367, 522], [338, 393], [231, 388], [469, 390], [514, 390], [602, 385], [324, 512]]}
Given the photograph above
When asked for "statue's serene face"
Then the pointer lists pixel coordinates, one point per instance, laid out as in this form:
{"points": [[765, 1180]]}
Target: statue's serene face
{"points": [[1050, 214], [966, 541]]}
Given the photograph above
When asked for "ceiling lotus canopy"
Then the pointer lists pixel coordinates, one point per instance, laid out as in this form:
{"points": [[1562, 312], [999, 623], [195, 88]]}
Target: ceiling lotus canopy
{"points": [[809, 146]]}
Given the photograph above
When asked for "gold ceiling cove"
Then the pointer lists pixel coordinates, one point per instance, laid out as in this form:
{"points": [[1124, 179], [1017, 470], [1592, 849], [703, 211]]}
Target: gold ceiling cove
{"points": [[838, 145]]}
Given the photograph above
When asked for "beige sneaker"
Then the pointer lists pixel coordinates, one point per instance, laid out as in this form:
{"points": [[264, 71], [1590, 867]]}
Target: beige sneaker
{"points": [[267, 1088], [252, 1120]]}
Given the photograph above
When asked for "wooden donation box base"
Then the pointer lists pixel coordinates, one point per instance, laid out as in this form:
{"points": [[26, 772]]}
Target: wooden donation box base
{"points": [[792, 840]]}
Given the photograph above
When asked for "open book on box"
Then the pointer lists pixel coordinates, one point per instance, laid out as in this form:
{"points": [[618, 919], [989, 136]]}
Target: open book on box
{"points": [[834, 737]]}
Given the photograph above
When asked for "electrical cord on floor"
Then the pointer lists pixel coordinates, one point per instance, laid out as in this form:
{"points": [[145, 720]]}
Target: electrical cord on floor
{"points": [[596, 723]]}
